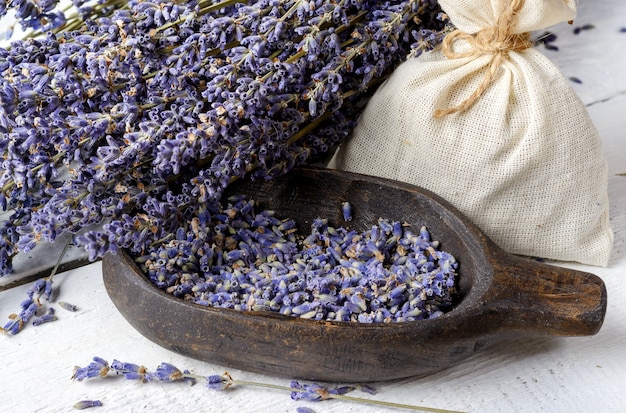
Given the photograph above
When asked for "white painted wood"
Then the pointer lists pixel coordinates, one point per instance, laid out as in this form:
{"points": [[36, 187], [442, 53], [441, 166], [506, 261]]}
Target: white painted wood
{"points": [[528, 375]]}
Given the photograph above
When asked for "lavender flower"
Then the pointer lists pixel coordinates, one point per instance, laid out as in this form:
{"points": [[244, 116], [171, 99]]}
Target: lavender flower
{"points": [[135, 119], [46, 318], [130, 371], [97, 368], [315, 392], [29, 308], [219, 382]]}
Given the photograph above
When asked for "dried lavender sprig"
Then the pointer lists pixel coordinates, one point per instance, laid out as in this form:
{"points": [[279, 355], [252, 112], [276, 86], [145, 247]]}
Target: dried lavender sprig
{"points": [[169, 373], [41, 290]]}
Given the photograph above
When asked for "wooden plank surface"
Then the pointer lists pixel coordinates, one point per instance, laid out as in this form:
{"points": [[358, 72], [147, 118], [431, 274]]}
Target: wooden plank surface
{"points": [[527, 375]]}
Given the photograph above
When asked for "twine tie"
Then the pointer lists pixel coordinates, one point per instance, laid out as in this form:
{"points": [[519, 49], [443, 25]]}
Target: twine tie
{"points": [[496, 41]]}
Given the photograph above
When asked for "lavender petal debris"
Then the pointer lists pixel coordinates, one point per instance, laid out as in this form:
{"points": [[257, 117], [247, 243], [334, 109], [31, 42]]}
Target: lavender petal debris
{"points": [[254, 261], [134, 119]]}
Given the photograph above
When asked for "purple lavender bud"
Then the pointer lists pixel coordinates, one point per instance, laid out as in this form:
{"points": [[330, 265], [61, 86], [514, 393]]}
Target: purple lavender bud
{"points": [[46, 318], [86, 404], [217, 382], [98, 368], [67, 306], [166, 372], [346, 208], [129, 370]]}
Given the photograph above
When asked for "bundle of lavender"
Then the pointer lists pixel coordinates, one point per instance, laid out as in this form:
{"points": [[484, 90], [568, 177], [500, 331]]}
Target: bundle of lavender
{"points": [[124, 121]]}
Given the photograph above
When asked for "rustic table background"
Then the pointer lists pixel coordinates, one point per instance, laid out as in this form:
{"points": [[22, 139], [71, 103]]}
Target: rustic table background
{"points": [[527, 375]]}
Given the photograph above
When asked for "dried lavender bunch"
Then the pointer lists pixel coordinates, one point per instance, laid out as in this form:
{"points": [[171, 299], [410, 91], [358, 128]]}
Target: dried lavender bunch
{"points": [[168, 373], [138, 120], [254, 261]]}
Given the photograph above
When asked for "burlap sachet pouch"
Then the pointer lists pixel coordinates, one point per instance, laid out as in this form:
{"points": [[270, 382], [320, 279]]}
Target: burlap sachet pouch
{"points": [[490, 124]]}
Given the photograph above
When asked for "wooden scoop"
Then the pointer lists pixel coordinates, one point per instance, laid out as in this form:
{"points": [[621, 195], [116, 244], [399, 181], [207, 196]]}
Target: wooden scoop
{"points": [[502, 295]]}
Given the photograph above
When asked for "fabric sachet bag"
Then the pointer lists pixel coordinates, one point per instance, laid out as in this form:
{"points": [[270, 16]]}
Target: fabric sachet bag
{"points": [[491, 125]]}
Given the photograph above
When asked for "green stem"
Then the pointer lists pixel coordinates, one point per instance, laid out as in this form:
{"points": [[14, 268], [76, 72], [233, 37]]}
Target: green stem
{"points": [[56, 266], [349, 398]]}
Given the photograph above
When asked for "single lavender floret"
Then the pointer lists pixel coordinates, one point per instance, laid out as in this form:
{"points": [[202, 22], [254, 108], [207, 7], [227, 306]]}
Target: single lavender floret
{"points": [[67, 306], [86, 404], [315, 392], [346, 208], [219, 382], [129, 370], [46, 318], [97, 368], [165, 372]]}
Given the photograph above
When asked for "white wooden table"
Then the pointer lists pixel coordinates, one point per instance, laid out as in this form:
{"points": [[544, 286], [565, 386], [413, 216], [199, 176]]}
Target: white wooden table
{"points": [[585, 374]]}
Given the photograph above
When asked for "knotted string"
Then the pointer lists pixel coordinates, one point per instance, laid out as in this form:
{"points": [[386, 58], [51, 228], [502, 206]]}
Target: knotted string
{"points": [[496, 41]]}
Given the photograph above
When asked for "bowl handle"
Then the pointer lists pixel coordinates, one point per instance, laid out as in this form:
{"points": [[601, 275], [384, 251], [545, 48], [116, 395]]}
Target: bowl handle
{"points": [[543, 299]]}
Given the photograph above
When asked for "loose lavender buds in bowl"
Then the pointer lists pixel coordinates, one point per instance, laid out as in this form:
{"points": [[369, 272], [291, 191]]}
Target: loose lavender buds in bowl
{"points": [[254, 261]]}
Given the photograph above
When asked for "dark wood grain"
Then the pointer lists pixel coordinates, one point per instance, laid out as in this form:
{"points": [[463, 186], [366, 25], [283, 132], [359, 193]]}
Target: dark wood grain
{"points": [[502, 295]]}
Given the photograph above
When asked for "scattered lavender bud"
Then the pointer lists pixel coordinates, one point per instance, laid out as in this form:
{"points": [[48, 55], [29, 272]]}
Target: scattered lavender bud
{"points": [[315, 392], [98, 368], [86, 404], [578, 29], [49, 316], [166, 372], [346, 208], [575, 79], [129, 370], [67, 306], [217, 382], [303, 409], [547, 39]]}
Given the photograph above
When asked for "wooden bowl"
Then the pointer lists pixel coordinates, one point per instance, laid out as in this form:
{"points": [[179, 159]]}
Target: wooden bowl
{"points": [[502, 295]]}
